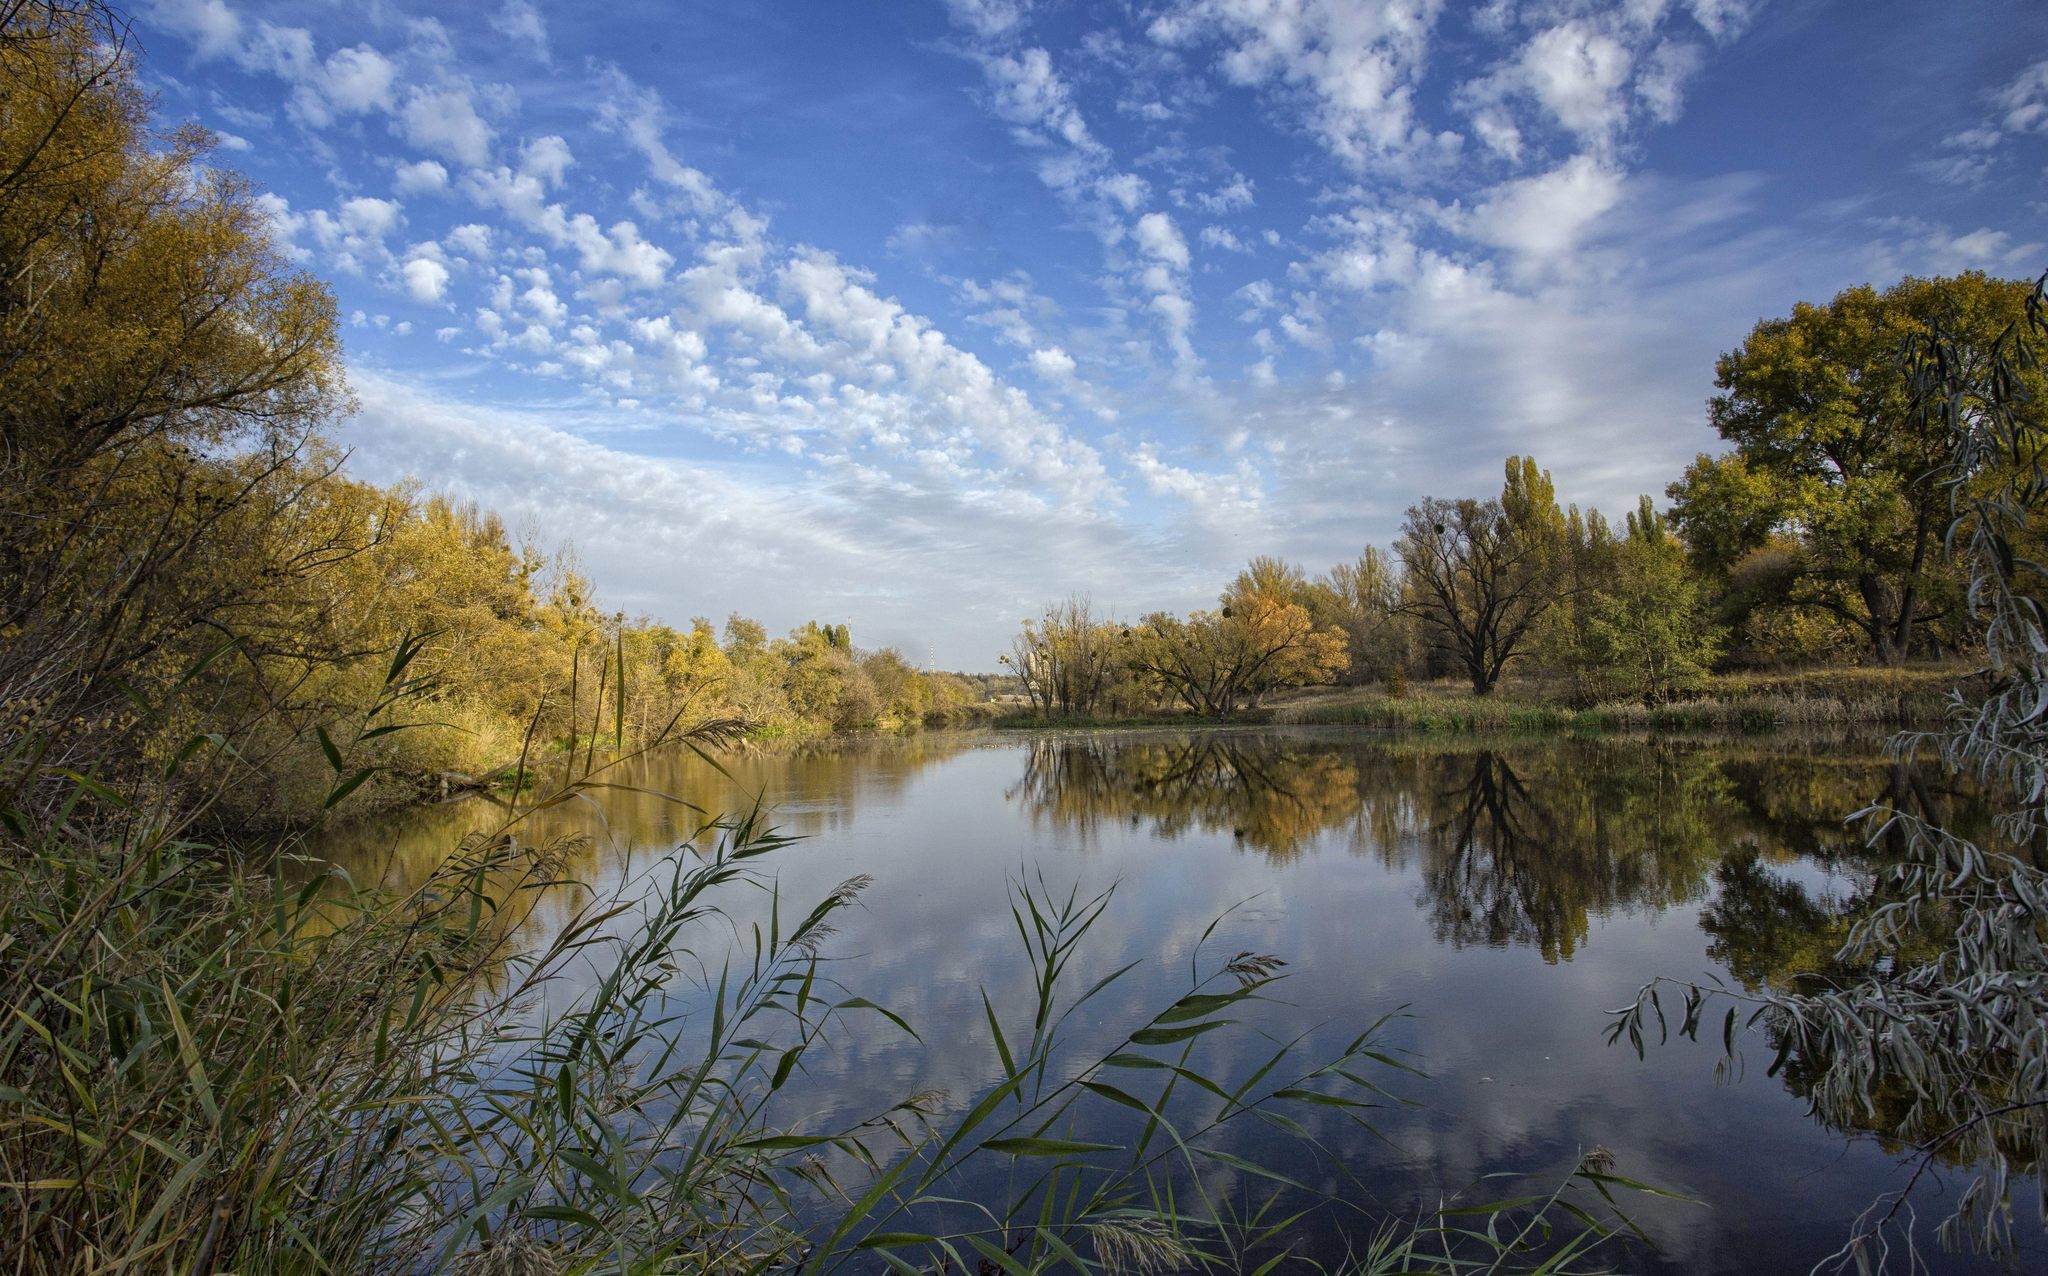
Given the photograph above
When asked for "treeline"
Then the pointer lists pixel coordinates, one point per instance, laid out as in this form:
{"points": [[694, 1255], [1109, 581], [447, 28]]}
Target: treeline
{"points": [[1817, 539], [193, 593]]}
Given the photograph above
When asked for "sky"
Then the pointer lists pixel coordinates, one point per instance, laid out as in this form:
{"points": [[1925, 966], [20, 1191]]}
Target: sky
{"points": [[920, 315]]}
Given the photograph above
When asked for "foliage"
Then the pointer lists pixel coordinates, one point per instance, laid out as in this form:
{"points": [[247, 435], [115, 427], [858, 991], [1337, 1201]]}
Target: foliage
{"points": [[1831, 465], [1072, 663], [1647, 631], [1215, 662], [164, 371], [1363, 599]]}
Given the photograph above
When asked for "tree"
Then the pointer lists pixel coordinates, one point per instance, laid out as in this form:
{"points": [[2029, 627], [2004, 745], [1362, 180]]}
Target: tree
{"points": [[1068, 660], [1647, 629], [163, 374], [1216, 662], [1941, 1013], [1829, 479], [1363, 599], [1480, 575]]}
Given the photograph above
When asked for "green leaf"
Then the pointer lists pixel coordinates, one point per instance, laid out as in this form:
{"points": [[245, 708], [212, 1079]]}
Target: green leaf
{"points": [[327, 747], [1026, 1145], [879, 1240], [1167, 1036], [346, 787]]}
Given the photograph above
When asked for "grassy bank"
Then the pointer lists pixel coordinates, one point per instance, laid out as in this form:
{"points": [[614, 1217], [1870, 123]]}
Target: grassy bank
{"points": [[1878, 699]]}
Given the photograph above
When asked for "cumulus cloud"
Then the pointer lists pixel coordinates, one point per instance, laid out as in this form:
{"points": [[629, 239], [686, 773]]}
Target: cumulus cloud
{"points": [[1052, 363], [1160, 240], [425, 279], [1354, 66], [445, 121], [420, 177], [1541, 219], [214, 29]]}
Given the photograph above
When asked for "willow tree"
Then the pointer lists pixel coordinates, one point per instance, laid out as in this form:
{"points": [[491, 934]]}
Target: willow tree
{"points": [[1826, 504], [1481, 575]]}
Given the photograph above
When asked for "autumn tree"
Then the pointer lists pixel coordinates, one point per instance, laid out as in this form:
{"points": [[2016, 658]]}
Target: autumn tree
{"points": [[163, 374], [1825, 504], [1363, 599], [1068, 658], [1216, 662], [1481, 575]]}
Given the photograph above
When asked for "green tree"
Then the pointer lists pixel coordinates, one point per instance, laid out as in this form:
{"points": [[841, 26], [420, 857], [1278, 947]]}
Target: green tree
{"points": [[1825, 504], [1648, 633]]}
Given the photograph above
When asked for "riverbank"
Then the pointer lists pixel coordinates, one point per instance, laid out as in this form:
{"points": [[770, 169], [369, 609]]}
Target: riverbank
{"points": [[1892, 699]]}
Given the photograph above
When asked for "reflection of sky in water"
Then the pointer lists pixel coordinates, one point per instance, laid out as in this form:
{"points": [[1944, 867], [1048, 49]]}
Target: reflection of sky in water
{"points": [[1508, 898]]}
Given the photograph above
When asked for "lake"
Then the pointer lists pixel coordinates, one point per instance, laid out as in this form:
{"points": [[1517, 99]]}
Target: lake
{"points": [[1500, 897]]}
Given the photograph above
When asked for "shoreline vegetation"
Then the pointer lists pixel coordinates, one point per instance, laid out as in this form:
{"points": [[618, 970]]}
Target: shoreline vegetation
{"points": [[1820, 699], [210, 632]]}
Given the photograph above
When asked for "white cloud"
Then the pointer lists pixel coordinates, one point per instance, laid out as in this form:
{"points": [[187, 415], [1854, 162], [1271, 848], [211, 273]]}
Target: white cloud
{"points": [[472, 239], [1222, 237], [445, 122], [2023, 104], [1029, 93], [369, 217], [214, 29], [990, 18], [425, 279], [1052, 363], [1661, 85], [355, 81], [1160, 240], [1355, 64], [420, 177], [519, 21], [1235, 195], [1541, 219], [547, 158]]}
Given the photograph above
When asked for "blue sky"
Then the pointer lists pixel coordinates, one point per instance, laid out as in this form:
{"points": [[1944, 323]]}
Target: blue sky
{"points": [[922, 314]]}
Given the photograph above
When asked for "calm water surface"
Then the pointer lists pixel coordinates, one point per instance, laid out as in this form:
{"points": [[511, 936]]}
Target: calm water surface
{"points": [[1506, 896]]}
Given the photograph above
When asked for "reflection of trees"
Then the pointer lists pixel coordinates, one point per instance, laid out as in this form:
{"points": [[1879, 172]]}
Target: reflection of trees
{"points": [[1773, 931], [1275, 795], [653, 803], [1530, 856]]}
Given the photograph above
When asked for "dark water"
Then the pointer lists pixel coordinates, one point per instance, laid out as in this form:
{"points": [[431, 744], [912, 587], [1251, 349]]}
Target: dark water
{"points": [[1507, 897]]}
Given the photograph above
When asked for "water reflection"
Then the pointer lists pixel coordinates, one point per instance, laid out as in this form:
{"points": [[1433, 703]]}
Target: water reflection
{"points": [[1509, 892], [1518, 844]]}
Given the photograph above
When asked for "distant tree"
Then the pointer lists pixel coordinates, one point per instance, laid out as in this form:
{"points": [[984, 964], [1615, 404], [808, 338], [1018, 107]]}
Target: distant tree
{"points": [[1826, 504], [1068, 659], [1363, 599], [744, 638], [1649, 633], [1480, 575], [1216, 662]]}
